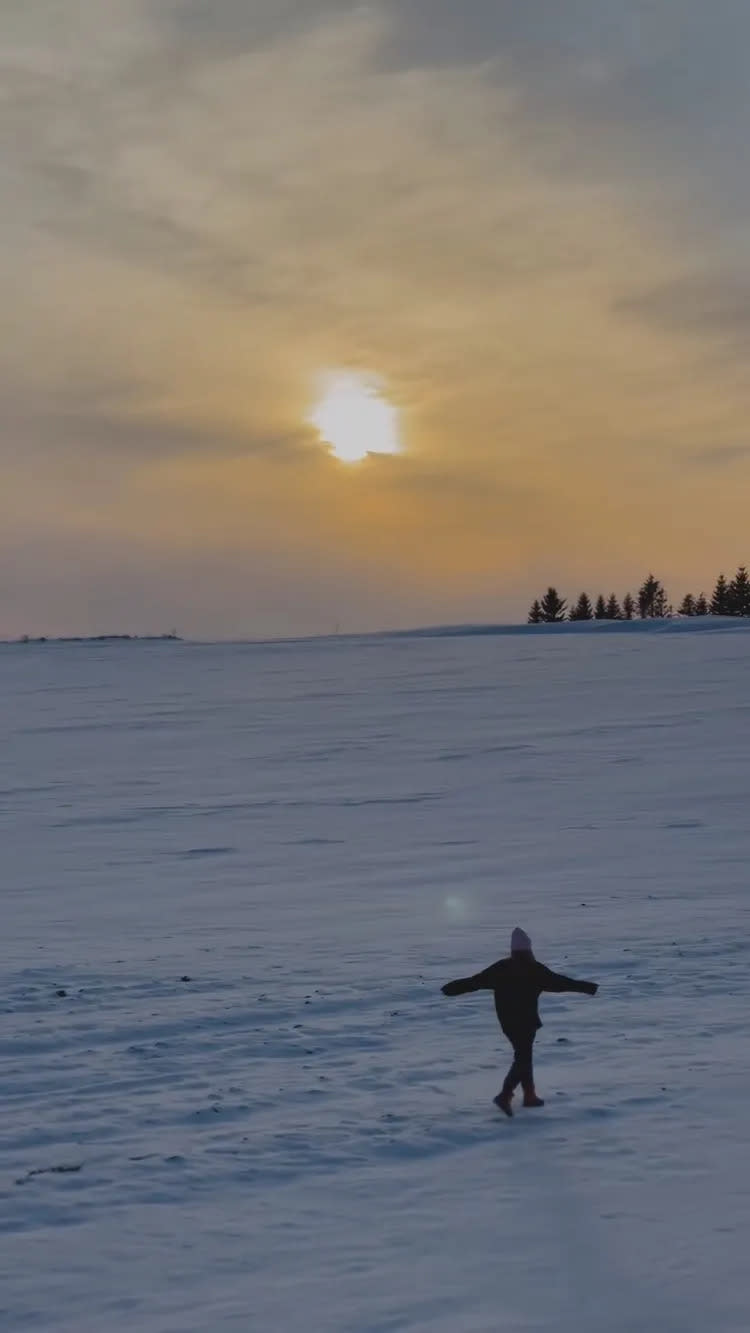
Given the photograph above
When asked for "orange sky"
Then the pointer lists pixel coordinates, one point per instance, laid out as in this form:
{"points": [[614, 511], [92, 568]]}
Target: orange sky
{"points": [[532, 229]]}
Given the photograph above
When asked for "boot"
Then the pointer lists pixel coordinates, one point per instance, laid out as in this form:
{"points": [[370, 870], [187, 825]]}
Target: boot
{"points": [[529, 1096], [504, 1102]]}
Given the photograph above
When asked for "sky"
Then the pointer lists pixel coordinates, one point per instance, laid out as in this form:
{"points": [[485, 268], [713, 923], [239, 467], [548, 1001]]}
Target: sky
{"points": [[527, 223]]}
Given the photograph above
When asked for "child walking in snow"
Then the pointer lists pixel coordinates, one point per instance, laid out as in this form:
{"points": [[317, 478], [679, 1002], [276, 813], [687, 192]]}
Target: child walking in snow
{"points": [[518, 982]]}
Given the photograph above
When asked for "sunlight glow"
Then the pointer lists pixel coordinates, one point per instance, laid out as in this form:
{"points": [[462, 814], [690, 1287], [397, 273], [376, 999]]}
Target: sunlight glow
{"points": [[355, 420]]}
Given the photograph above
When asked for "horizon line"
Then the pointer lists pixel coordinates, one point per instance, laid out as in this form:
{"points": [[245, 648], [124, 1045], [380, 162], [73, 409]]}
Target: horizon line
{"points": [[469, 629]]}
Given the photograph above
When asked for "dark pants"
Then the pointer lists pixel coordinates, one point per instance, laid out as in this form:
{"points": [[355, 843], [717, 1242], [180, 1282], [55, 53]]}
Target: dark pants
{"points": [[522, 1069]]}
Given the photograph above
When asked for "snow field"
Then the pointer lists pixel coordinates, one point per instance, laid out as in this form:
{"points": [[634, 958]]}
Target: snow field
{"points": [[250, 868]]}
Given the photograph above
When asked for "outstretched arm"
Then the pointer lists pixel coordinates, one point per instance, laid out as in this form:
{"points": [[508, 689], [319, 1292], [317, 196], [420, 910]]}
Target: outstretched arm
{"points": [[485, 980], [556, 982]]}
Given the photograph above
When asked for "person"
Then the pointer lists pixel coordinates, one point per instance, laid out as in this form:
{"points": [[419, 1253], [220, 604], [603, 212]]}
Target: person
{"points": [[517, 982]]}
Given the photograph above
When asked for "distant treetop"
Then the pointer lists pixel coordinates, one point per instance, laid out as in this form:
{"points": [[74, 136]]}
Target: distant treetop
{"points": [[172, 637], [729, 599]]}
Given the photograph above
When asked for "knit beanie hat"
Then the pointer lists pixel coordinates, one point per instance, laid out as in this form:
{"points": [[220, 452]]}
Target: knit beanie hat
{"points": [[519, 941]]}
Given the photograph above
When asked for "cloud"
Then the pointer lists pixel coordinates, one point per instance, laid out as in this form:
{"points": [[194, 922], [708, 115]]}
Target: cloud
{"points": [[719, 457], [224, 28], [513, 214], [704, 305]]}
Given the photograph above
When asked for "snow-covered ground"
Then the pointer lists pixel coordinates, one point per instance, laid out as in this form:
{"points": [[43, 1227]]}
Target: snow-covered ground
{"points": [[250, 868]]}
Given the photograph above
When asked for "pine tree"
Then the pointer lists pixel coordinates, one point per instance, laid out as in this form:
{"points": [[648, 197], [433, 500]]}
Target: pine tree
{"points": [[652, 600], [600, 610], [613, 608], [687, 605], [701, 605], [553, 607], [720, 603], [535, 614], [739, 593], [628, 607], [582, 609]]}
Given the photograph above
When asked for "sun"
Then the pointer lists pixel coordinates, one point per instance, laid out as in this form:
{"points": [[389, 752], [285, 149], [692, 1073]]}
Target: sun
{"points": [[355, 419]]}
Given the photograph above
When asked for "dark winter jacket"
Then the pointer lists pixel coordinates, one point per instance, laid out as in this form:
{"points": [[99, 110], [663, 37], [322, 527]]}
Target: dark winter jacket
{"points": [[518, 982]]}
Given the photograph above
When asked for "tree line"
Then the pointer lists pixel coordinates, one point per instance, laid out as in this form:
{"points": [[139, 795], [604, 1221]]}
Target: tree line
{"points": [[730, 598]]}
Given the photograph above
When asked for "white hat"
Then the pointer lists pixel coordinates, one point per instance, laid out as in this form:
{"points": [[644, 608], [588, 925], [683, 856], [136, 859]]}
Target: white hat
{"points": [[519, 941]]}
